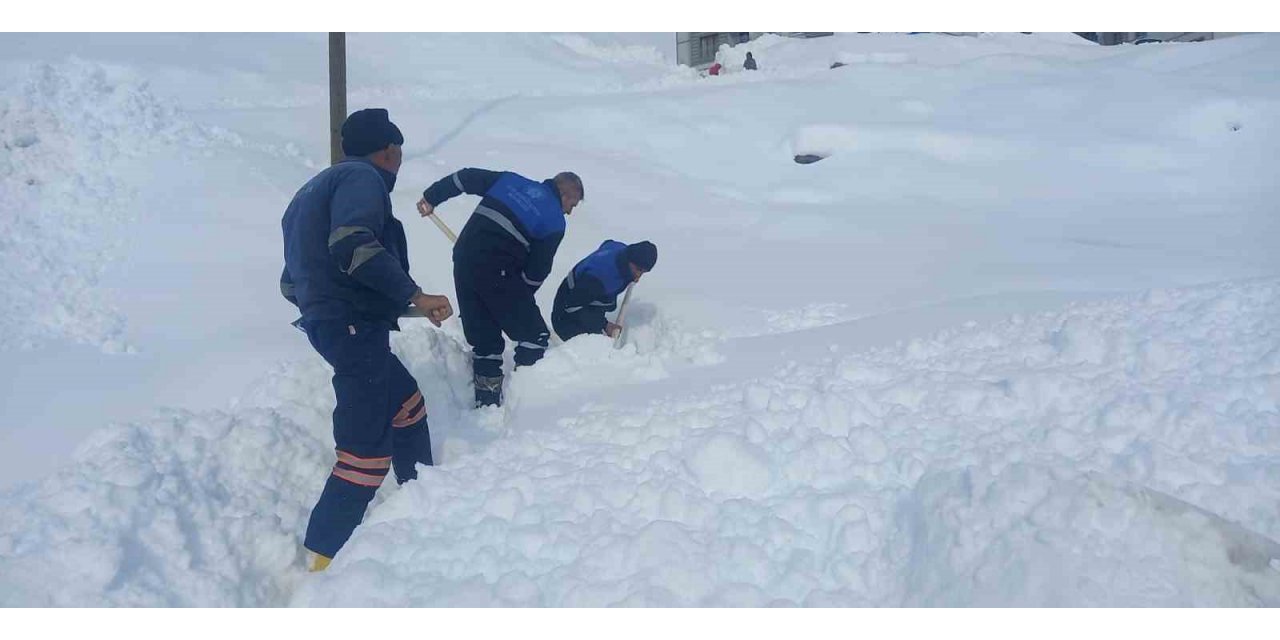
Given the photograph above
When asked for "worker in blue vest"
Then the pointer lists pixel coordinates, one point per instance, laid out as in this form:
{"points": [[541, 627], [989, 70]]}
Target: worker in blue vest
{"points": [[591, 289], [347, 271], [501, 257]]}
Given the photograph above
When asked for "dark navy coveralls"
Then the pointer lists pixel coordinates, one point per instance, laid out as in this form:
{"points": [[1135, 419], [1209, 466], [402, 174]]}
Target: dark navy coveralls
{"points": [[347, 270], [502, 256]]}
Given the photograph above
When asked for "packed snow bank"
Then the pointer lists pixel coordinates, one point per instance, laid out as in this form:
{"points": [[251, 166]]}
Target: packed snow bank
{"points": [[189, 510], [208, 508], [1071, 539], [84, 148], [979, 465], [69, 132]]}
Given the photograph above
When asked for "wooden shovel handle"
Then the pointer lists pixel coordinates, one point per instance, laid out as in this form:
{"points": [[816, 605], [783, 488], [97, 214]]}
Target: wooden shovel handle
{"points": [[622, 309], [444, 228]]}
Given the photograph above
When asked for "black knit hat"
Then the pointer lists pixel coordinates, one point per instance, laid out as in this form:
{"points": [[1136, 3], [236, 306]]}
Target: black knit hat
{"points": [[643, 255], [367, 131]]}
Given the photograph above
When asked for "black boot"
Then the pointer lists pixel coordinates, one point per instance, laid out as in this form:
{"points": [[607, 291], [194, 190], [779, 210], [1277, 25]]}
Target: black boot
{"points": [[488, 391]]}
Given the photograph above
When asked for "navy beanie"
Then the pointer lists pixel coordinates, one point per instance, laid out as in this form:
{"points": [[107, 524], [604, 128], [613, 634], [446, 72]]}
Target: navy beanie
{"points": [[367, 131], [643, 255]]}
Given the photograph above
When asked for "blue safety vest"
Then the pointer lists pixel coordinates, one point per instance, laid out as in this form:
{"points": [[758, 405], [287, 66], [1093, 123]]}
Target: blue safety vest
{"points": [[603, 265], [535, 206]]}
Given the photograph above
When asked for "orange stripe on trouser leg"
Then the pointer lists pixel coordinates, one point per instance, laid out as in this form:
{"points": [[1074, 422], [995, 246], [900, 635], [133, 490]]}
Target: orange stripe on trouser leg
{"points": [[406, 419], [413, 400], [410, 412], [402, 421], [355, 477], [364, 463], [415, 417]]}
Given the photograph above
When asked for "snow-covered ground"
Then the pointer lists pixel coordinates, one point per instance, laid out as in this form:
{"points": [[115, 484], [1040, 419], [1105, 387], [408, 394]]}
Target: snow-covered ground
{"points": [[1015, 341]]}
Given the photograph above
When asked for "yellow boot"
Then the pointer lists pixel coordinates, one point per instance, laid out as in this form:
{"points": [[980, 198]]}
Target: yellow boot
{"points": [[319, 562]]}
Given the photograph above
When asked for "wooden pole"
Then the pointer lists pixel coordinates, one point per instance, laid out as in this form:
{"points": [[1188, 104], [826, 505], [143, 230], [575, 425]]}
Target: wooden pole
{"points": [[337, 93]]}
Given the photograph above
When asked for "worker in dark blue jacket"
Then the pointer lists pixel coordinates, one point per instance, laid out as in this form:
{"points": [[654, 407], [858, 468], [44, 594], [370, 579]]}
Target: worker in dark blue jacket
{"points": [[502, 256], [591, 289], [347, 270]]}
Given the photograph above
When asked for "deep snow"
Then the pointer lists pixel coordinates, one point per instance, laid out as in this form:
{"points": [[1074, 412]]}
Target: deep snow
{"points": [[1014, 342]]}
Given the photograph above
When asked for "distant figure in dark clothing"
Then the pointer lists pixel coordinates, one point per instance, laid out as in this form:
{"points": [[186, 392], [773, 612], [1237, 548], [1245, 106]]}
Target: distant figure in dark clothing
{"points": [[593, 285], [750, 63]]}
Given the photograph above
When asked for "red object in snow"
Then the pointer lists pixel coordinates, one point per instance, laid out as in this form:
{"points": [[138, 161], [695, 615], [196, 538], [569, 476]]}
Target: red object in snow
{"points": [[715, 69]]}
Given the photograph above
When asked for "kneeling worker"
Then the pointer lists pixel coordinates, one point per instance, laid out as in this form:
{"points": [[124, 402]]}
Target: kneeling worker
{"points": [[593, 285]]}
